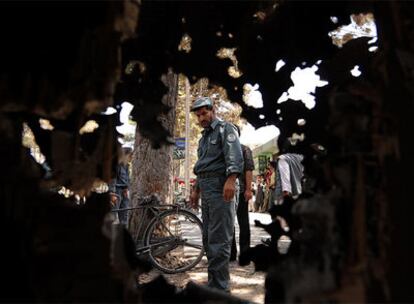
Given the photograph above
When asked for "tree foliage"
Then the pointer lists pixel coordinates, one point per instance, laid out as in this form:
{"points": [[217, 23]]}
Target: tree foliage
{"points": [[225, 109]]}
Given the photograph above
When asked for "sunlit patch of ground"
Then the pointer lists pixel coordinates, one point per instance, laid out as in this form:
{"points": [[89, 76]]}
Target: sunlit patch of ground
{"points": [[245, 283]]}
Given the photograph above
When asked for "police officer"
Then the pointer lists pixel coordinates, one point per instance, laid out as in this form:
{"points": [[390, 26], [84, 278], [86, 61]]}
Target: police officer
{"points": [[119, 186], [220, 161]]}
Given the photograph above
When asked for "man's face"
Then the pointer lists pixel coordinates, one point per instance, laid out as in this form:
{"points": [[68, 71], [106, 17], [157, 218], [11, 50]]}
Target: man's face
{"points": [[204, 116]]}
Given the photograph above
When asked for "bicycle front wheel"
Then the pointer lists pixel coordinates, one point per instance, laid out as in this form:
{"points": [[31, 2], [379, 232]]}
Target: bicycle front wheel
{"points": [[174, 239]]}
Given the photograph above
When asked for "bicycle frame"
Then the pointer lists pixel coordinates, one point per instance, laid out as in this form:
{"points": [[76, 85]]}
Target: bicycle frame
{"points": [[156, 211]]}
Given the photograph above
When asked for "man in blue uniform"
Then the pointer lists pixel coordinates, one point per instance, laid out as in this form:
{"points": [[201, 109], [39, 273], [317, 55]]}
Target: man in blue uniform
{"points": [[220, 161], [119, 186]]}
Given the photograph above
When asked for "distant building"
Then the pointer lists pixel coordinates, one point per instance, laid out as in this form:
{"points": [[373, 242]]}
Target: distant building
{"points": [[263, 154]]}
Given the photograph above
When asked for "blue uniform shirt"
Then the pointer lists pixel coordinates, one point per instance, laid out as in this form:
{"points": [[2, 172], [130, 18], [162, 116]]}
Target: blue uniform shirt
{"points": [[219, 150], [121, 180]]}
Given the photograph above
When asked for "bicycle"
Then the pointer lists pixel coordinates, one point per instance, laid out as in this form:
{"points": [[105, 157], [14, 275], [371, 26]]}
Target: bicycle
{"points": [[172, 238]]}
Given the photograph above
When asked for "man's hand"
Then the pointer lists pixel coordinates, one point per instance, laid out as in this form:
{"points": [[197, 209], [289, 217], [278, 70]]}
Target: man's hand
{"points": [[229, 188], [194, 198], [248, 195]]}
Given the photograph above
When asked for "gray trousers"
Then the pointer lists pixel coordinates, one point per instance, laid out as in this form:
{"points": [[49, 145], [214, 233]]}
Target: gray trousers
{"points": [[218, 224]]}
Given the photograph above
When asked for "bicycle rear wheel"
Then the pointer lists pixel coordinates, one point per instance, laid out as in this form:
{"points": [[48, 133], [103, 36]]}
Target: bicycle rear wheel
{"points": [[175, 241]]}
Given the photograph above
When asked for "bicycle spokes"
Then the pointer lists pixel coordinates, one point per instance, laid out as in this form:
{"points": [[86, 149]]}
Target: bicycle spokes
{"points": [[176, 241]]}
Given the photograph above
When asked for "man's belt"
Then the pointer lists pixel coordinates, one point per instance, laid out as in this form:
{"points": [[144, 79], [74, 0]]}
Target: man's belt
{"points": [[211, 174]]}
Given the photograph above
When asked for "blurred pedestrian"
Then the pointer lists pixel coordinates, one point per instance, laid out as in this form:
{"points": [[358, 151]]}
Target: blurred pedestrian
{"points": [[270, 186], [289, 172], [259, 193], [245, 195]]}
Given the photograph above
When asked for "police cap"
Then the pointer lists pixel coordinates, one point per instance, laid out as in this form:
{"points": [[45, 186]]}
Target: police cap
{"points": [[201, 102]]}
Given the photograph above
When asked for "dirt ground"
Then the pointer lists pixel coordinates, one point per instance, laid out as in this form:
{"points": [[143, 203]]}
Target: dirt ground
{"points": [[245, 282]]}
